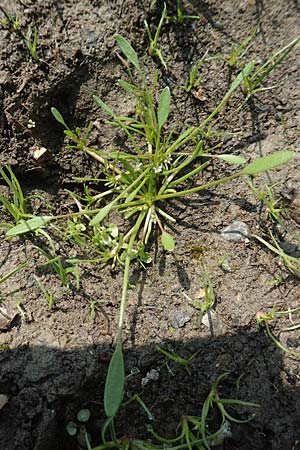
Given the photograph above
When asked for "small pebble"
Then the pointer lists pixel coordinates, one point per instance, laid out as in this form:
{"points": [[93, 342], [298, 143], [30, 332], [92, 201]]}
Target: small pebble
{"points": [[180, 319], [236, 231]]}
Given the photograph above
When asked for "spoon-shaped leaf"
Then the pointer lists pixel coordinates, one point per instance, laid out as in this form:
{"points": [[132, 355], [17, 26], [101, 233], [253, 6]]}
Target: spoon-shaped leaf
{"points": [[57, 115], [128, 51], [28, 225], [163, 107], [114, 384], [268, 162]]}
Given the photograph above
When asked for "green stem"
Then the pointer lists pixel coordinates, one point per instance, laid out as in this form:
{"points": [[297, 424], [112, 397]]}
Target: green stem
{"points": [[198, 188], [126, 274]]}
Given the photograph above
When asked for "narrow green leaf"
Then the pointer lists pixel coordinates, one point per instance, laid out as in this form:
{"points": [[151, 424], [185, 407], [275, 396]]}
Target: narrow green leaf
{"points": [[104, 106], [28, 225], [114, 384], [127, 86], [268, 162], [128, 51], [164, 106], [101, 215], [13, 272], [167, 241], [57, 115], [231, 159]]}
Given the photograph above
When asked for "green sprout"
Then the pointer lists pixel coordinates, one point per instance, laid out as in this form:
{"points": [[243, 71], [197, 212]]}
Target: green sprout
{"points": [[241, 50], [177, 359], [180, 16], [153, 50], [49, 297], [194, 79], [32, 44], [291, 262], [265, 195], [254, 79], [263, 320]]}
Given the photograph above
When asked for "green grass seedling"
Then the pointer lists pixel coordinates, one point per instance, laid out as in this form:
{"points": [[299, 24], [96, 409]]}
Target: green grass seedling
{"points": [[11, 274], [49, 297], [12, 21], [241, 50], [194, 79], [177, 359], [265, 195], [180, 16], [153, 50], [253, 81], [291, 263], [31, 43], [16, 206], [263, 320]]}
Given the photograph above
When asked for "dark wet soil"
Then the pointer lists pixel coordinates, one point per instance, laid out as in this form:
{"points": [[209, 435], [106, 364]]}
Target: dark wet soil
{"points": [[54, 362]]}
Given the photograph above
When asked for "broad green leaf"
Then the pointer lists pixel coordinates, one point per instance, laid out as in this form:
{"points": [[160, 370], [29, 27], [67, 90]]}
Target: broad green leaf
{"points": [[114, 384], [101, 215], [57, 115], [268, 162], [104, 106], [167, 241], [231, 159], [163, 107], [28, 225], [128, 51]]}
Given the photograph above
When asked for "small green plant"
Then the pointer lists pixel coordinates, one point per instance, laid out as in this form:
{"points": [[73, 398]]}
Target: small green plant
{"points": [[208, 301], [16, 206], [151, 174], [180, 16], [49, 297], [194, 79], [153, 50], [11, 274], [61, 268], [291, 262], [31, 43], [263, 320], [177, 359], [241, 50], [13, 23], [254, 79], [265, 195], [79, 428]]}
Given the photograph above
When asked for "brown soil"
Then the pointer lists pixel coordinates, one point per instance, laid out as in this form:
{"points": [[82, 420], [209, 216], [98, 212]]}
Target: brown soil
{"points": [[54, 362]]}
